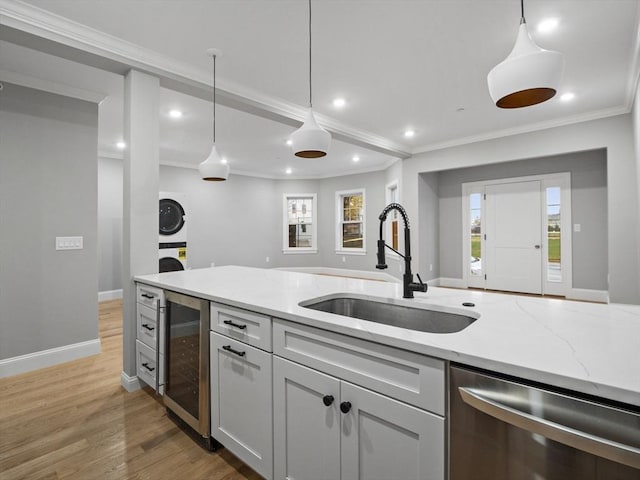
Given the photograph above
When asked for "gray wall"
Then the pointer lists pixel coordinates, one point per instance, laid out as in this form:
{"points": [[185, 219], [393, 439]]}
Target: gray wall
{"points": [[48, 182], [237, 222], [429, 226], [588, 208], [109, 224], [615, 134]]}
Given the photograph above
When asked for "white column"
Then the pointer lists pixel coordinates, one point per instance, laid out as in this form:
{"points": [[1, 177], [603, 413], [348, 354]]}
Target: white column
{"points": [[140, 203]]}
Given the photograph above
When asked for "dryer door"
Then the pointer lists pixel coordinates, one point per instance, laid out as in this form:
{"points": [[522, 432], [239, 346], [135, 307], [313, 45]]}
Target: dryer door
{"points": [[171, 216], [170, 264]]}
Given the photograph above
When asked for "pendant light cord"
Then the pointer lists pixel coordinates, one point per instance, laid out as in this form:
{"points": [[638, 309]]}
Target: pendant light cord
{"points": [[310, 96], [214, 99], [522, 20]]}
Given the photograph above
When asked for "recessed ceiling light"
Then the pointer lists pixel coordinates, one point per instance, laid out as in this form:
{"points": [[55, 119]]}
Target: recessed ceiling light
{"points": [[175, 114], [289, 142], [121, 145], [566, 97], [409, 133], [288, 171], [339, 102], [548, 25], [356, 158], [223, 160]]}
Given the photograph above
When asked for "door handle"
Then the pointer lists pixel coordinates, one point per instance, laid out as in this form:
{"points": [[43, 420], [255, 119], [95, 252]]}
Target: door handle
{"points": [[587, 442]]}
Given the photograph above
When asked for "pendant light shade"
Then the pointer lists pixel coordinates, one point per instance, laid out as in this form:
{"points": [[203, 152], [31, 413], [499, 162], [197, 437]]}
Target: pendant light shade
{"points": [[528, 76], [212, 168], [310, 140]]}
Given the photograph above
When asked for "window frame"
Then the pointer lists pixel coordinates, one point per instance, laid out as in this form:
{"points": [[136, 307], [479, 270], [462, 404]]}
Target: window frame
{"points": [[388, 227], [286, 249], [340, 250]]}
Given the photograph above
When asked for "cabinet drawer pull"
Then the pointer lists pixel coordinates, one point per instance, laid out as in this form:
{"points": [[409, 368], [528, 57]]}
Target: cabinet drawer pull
{"points": [[147, 295], [146, 325], [229, 349], [327, 400], [146, 365], [345, 407], [237, 325]]}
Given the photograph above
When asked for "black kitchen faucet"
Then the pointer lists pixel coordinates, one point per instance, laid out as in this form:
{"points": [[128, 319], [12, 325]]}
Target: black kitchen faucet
{"points": [[409, 286]]}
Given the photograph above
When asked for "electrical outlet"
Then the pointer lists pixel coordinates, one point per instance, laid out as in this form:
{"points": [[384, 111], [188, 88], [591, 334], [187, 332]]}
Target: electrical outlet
{"points": [[576, 227], [344, 259], [69, 243], [267, 260], [431, 267]]}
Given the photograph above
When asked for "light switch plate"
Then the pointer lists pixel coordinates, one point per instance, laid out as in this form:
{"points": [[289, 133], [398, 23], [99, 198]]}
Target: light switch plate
{"points": [[69, 243]]}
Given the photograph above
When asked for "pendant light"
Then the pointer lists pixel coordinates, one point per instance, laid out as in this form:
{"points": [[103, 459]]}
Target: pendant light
{"points": [[528, 76], [310, 140], [212, 169]]}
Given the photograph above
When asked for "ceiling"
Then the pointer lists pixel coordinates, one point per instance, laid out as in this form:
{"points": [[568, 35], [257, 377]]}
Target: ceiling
{"points": [[399, 64]]}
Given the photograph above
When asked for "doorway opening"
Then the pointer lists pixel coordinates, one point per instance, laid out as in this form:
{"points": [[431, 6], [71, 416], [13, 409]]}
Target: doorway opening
{"points": [[517, 234]]}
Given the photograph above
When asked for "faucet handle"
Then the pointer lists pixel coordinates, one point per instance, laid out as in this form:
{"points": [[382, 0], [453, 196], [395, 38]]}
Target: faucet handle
{"points": [[423, 286]]}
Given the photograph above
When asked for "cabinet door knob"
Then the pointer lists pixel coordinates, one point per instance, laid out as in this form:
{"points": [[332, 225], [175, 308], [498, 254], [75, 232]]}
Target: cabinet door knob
{"points": [[327, 400], [345, 407]]}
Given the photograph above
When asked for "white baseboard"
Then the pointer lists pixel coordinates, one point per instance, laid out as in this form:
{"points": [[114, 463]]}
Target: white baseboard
{"points": [[47, 358], [109, 295], [130, 384], [451, 282], [601, 296]]}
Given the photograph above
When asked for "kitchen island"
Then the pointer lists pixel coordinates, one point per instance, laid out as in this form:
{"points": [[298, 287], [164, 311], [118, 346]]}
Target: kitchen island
{"points": [[586, 347]]}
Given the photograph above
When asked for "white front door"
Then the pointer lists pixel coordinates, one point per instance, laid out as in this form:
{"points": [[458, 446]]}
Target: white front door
{"points": [[513, 237]]}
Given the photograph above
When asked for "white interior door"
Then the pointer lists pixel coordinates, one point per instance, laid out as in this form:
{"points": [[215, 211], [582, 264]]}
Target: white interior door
{"points": [[513, 242]]}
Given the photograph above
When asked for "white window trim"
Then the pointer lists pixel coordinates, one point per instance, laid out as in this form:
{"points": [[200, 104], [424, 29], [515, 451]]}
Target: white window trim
{"points": [[387, 228], [338, 223], [286, 249]]}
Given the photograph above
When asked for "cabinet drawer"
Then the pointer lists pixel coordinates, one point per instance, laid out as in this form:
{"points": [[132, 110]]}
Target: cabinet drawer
{"points": [[415, 379], [242, 325], [149, 296], [146, 366], [148, 328], [241, 401]]}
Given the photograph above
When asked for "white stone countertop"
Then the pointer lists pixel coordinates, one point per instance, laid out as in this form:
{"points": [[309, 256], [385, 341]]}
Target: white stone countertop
{"points": [[586, 347]]}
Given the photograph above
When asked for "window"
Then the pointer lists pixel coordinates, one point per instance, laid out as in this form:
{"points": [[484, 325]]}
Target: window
{"points": [[350, 218], [475, 230], [554, 260], [300, 232], [393, 219]]}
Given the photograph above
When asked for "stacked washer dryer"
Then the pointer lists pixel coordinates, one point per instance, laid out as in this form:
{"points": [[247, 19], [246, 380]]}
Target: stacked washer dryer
{"points": [[173, 232]]}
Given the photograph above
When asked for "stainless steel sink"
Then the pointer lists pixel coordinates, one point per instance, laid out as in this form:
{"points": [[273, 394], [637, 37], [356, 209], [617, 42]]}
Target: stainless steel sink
{"points": [[391, 312]]}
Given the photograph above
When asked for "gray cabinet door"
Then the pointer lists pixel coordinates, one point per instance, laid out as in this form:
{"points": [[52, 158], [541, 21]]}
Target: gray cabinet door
{"points": [[383, 439], [306, 431]]}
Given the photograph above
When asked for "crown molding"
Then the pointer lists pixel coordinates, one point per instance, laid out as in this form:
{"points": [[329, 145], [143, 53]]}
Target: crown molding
{"points": [[51, 87], [34, 27], [634, 72], [533, 127]]}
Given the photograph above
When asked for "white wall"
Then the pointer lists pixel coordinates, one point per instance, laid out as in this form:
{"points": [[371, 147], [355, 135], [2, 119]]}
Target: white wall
{"points": [[109, 224], [615, 134], [636, 137]]}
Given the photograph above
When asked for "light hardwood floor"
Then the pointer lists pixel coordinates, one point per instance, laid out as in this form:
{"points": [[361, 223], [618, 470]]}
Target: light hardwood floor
{"points": [[75, 421]]}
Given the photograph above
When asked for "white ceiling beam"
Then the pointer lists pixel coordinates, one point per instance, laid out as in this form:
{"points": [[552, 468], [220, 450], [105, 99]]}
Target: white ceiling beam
{"points": [[38, 29]]}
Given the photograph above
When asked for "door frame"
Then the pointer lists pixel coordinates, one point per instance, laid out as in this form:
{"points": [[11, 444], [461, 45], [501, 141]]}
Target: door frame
{"points": [[562, 180]]}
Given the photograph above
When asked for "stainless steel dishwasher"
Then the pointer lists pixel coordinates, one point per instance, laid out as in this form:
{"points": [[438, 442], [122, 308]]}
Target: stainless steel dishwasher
{"points": [[509, 430]]}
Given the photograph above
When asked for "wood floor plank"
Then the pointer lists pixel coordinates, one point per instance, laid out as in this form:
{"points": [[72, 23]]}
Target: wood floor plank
{"points": [[74, 421]]}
